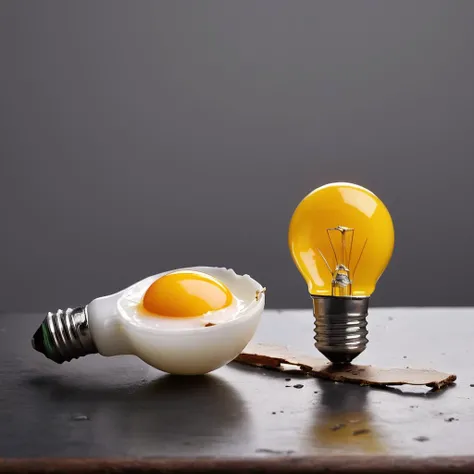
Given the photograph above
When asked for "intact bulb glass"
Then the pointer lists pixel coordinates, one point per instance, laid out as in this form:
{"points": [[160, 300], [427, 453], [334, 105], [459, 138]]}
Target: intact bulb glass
{"points": [[341, 238]]}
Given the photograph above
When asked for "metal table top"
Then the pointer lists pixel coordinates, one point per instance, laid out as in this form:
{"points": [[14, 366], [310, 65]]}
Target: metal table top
{"points": [[107, 408]]}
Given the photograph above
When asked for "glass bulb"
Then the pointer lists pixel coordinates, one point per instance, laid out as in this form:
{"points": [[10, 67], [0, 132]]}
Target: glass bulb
{"points": [[341, 239]]}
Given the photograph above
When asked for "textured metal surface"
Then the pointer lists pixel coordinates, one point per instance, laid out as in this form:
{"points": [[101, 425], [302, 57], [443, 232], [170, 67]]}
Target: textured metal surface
{"points": [[116, 408], [340, 326], [64, 335]]}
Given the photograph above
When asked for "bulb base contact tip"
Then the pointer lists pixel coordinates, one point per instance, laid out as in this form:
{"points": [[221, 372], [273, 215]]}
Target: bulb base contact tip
{"points": [[340, 326], [64, 335]]}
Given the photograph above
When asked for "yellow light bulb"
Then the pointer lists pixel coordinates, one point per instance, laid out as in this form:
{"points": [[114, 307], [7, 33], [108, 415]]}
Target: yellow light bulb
{"points": [[341, 239]]}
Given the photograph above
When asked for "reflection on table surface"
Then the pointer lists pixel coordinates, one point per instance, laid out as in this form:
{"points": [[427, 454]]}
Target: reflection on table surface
{"points": [[115, 407], [343, 419]]}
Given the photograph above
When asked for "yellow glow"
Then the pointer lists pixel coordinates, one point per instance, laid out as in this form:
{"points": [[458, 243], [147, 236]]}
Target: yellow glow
{"points": [[336, 430], [186, 294], [360, 229]]}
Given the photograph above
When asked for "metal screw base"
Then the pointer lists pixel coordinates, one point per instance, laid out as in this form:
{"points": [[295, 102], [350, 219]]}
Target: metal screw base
{"points": [[340, 326], [64, 335]]}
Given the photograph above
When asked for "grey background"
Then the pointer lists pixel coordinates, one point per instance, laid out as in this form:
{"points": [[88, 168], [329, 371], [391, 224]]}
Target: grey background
{"points": [[137, 137]]}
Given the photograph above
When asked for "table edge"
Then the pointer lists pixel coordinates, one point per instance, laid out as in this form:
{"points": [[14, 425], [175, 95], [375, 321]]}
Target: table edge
{"points": [[277, 465]]}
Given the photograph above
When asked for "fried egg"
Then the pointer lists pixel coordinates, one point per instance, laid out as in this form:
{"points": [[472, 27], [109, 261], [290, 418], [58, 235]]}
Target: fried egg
{"points": [[191, 320]]}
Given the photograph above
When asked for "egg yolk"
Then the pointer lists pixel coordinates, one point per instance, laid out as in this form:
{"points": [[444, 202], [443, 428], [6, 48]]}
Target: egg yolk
{"points": [[186, 294]]}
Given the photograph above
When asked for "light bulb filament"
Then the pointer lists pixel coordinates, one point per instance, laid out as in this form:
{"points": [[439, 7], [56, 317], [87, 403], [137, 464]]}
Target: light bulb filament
{"points": [[360, 256], [342, 276]]}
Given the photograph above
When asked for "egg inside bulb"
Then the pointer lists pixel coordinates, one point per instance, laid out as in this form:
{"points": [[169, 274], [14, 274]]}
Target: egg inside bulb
{"points": [[186, 321], [183, 294]]}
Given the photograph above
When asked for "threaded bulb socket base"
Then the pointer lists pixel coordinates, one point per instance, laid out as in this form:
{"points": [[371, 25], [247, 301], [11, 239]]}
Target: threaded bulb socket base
{"points": [[64, 335], [340, 326]]}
